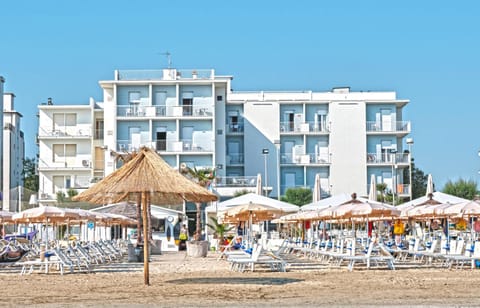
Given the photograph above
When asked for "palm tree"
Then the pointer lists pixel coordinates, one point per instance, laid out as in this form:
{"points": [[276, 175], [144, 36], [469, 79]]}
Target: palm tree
{"points": [[203, 177], [219, 228]]}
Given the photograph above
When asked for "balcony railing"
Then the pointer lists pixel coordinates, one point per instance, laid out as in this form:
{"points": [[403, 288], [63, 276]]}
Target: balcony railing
{"points": [[167, 74], [234, 127], [391, 127], [309, 158], [164, 145], [164, 111], [401, 189], [234, 159], [388, 158], [66, 131], [236, 181], [79, 162], [305, 127]]}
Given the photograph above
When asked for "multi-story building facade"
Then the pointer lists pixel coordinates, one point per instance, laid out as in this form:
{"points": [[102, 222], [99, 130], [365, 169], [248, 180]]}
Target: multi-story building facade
{"points": [[13, 153], [192, 117], [67, 140]]}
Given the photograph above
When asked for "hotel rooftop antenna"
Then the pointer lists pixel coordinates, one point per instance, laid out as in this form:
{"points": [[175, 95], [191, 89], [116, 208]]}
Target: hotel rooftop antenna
{"points": [[169, 58]]}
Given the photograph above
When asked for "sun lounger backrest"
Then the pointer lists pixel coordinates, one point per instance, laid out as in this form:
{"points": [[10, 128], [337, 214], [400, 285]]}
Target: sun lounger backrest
{"points": [[476, 249], [443, 246], [452, 247], [460, 245]]}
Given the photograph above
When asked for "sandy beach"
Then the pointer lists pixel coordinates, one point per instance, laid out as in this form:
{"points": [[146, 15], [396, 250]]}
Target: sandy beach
{"points": [[180, 281]]}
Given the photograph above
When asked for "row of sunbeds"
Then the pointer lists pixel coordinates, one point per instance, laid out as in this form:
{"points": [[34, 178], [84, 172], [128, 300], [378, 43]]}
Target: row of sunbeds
{"points": [[69, 256]]}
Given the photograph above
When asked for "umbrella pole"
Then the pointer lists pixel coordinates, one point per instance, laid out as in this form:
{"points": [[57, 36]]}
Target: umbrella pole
{"points": [[146, 273]]}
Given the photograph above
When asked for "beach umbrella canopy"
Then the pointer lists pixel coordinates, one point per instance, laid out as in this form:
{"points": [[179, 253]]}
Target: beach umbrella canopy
{"points": [[358, 207], [327, 202], [5, 216], [146, 175], [44, 214], [468, 208], [251, 200], [437, 198]]}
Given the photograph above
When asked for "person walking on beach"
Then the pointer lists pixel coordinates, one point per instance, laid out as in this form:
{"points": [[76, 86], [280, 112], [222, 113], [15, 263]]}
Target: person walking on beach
{"points": [[183, 237]]}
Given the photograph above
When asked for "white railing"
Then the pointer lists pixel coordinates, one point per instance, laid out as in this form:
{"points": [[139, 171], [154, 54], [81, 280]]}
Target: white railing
{"points": [[305, 127], [398, 126], [236, 181], [66, 131], [388, 158], [309, 158]]}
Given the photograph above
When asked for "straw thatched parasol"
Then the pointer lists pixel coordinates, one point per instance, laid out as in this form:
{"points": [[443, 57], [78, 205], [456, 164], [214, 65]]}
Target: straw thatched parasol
{"points": [[149, 176]]}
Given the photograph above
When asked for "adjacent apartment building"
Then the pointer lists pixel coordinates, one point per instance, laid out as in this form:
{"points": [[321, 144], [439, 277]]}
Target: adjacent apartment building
{"points": [[12, 149], [193, 118]]}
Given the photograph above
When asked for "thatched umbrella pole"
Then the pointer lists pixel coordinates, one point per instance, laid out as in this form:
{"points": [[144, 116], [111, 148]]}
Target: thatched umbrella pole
{"points": [[149, 215], [139, 214], [146, 273]]}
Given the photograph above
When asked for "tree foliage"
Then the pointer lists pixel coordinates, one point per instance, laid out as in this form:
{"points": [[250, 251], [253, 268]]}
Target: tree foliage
{"points": [[298, 196], [30, 176], [203, 177], [461, 188], [419, 181], [219, 228]]}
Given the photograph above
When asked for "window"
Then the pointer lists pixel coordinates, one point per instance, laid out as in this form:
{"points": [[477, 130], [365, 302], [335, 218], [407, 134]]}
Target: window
{"points": [[219, 98], [64, 123], [61, 182], [133, 97], [99, 129], [64, 153]]}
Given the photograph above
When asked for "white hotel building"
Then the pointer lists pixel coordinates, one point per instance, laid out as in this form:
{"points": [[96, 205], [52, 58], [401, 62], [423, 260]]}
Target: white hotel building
{"points": [[12, 152], [192, 117]]}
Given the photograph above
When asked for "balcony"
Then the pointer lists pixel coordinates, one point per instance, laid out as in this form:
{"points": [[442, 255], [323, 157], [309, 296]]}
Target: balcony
{"points": [[304, 159], [164, 145], [234, 159], [399, 127], [230, 185], [133, 111], [388, 158], [67, 164], [66, 132], [403, 190], [305, 127], [234, 128]]}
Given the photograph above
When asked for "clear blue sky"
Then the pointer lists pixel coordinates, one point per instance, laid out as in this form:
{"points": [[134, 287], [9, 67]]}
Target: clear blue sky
{"points": [[427, 51]]}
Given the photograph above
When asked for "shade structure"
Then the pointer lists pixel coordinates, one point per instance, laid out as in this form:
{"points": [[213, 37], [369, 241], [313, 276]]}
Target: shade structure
{"points": [[358, 208], [252, 199], [5, 216], [437, 197], [147, 175], [317, 192], [372, 194], [44, 214], [327, 202], [468, 208]]}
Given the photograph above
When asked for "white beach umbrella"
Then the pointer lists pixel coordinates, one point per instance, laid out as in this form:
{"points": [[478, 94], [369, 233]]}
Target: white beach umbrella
{"points": [[259, 184], [429, 185], [372, 195], [317, 191]]}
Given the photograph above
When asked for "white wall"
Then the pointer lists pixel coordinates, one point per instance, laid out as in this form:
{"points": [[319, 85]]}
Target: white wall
{"points": [[348, 147]]}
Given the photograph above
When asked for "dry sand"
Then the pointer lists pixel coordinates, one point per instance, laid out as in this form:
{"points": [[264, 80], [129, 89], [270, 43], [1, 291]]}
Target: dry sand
{"points": [[180, 281]]}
